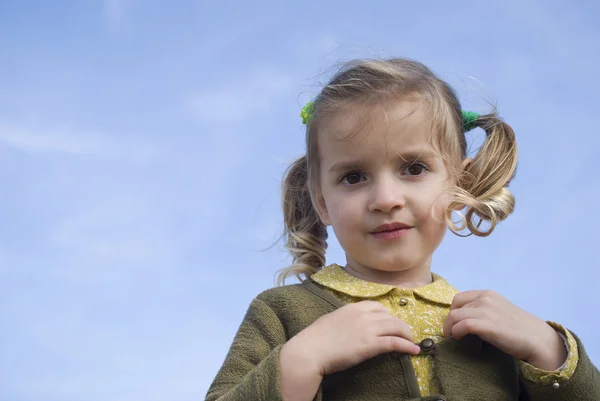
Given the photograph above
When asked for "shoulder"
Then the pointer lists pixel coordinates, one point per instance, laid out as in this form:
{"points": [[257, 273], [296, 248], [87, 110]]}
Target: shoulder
{"points": [[281, 293], [292, 295], [298, 302]]}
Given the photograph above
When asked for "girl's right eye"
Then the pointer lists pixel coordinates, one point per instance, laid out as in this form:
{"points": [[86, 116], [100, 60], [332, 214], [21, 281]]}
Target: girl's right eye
{"points": [[352, 178]]}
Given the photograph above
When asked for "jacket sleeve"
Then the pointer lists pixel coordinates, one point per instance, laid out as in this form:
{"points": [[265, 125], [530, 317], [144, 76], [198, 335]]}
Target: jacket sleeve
{"points": [[563, 373], [251, 368], [583, 385]]}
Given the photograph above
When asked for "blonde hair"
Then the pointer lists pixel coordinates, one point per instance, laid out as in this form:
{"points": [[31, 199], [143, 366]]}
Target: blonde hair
{"points": [[481, 186]]}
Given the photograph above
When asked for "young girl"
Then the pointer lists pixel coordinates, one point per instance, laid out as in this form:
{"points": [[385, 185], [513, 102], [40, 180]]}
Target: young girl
{"points": [[386, 167]]}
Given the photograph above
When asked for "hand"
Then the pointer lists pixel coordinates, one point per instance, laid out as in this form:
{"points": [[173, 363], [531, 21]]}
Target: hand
{"points": [[516, 332], [350, 335]]}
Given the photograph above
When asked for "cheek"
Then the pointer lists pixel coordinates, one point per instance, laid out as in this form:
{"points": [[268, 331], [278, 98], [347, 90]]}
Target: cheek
{"points": [[432, 211], [343, 212], [433, 225], [439, 208], [439, 198]]}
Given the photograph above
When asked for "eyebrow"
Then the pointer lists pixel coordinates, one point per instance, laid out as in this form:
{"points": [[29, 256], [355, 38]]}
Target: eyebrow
{"points": [[406, 156], [344, 166]]}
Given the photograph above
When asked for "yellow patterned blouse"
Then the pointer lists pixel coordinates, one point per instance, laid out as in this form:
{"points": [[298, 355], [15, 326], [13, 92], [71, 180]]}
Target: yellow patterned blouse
{"points": [[425, 309]]}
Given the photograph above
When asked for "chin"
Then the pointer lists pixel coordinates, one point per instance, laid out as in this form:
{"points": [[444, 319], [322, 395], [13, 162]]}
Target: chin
{"points": [[391, 265]]}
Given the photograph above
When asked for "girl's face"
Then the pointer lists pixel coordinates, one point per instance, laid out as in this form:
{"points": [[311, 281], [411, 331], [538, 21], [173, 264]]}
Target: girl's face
{"points": [[378, 189]]}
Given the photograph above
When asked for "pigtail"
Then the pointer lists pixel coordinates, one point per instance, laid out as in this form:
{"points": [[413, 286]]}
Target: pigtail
{"points": [[482, 186], [305, 233]]}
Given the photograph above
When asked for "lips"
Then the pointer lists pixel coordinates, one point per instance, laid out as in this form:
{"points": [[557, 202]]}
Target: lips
{"points": [[390, 227], [391, 231]]}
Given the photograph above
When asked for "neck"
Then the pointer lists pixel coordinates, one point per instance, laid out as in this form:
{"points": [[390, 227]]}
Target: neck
{"points": [[417, 276]]}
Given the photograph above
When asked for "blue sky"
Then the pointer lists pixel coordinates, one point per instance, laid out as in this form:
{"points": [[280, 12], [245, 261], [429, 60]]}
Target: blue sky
{"points": [[142, 146]]}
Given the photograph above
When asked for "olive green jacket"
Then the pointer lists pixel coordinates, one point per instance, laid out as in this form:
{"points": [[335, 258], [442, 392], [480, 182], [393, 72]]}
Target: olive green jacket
{"points": [[466, 370]]}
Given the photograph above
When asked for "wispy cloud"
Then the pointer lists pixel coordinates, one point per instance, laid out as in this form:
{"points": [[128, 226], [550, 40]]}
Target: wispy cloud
{"points": [[65, 140], [116, 231], [239, 100], [115, 11], [59, 140]]}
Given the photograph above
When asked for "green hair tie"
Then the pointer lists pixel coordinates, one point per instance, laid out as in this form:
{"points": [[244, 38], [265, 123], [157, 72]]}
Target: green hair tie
{"points": [[469, 117], [469, 120], [307, 112]]}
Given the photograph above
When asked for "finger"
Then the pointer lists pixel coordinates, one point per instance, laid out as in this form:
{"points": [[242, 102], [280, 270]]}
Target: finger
{"points": [[478, 327], [395, 344], [394, 327], [457, 315], [464, 298], [371, 306]]}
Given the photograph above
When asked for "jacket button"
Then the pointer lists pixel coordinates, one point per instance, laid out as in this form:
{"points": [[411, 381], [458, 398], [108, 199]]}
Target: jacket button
{"points": [[427, 344]]}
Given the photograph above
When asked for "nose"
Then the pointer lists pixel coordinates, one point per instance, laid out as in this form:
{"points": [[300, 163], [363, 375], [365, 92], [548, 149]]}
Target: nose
{"points": [[386, 195]]}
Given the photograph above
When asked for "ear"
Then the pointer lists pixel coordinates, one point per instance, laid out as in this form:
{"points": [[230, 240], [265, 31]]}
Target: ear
{"points": [[321, 207], [464, 165]]}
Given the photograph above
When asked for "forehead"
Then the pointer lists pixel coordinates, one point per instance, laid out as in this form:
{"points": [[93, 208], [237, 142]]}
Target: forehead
{"points": [[402, 127]]}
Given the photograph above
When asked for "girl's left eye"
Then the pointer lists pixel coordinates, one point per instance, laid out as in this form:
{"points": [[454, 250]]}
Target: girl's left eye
{"points": [[416, 169]]}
